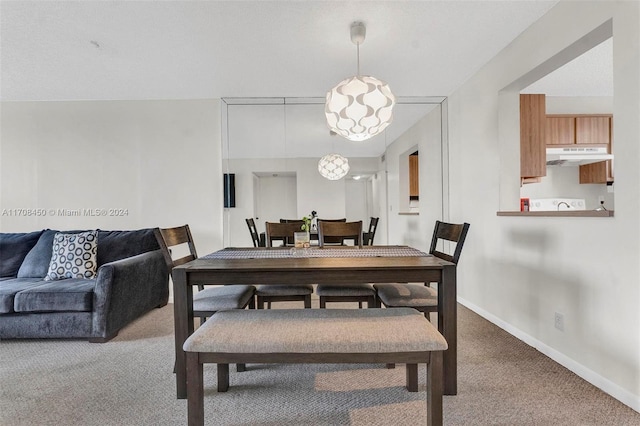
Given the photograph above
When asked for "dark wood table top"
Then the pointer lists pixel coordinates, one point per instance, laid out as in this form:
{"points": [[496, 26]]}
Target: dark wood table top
{"points": [[372, 264]]}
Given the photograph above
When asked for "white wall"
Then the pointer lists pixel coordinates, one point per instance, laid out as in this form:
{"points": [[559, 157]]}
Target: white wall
{"points": [[415, 230], [159, 160], [519, 271], [565, 181], [356, 200]]}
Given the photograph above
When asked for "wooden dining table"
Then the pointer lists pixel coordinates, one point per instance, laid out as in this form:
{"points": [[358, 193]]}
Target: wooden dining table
{"points": [[336, 265]]}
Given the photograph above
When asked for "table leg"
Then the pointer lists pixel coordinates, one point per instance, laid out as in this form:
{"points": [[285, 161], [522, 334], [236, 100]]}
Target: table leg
{"points": [[183, 322], [447, 325]]}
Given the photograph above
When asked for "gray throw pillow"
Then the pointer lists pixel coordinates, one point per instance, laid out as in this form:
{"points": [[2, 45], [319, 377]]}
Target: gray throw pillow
{"points": [[13, 249], [36, 262]]}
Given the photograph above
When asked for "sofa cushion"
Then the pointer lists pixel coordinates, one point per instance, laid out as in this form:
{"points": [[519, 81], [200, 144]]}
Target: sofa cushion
{"points": [[73, 256], [9, 287], [13, 249], [36, 262], [73, 294], [116, 245]]}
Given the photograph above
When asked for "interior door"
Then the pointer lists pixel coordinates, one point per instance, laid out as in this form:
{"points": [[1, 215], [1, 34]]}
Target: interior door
{"points": [[275, 198]]}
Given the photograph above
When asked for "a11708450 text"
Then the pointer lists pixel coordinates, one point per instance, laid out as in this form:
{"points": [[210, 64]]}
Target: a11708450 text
{"points": [[61, 212]]}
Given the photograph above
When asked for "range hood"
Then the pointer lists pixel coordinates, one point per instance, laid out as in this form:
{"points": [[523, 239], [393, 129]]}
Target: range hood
{"points": [[577, 156]]}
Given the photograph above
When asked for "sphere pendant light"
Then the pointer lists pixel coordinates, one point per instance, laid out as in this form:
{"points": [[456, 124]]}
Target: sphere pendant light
{"points": [[333, 166], [361, 106]]}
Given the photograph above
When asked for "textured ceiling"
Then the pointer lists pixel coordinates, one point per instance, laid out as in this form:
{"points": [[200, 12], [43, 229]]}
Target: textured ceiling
{"points": [[138, 50], [590, 74], [54, 50]]}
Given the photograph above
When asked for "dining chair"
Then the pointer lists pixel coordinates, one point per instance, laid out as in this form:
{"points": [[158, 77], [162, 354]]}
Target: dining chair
{"points": [[298, 222], [253, 230], [282, 232], [332, 239], [423, 297], [207, 301], [367, 237], [329, 231], [356, 292]]}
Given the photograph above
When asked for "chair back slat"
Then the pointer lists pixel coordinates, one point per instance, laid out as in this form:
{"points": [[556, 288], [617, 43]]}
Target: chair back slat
{"points": [[452, 232], [183, 260], [281, 232], [368, 236], [443, 256], [253, 230], [298, 221], [340, 231], [171, 237]]}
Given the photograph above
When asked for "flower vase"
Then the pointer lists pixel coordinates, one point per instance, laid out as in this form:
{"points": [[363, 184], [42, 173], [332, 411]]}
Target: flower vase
{"points": [[301, 239]]}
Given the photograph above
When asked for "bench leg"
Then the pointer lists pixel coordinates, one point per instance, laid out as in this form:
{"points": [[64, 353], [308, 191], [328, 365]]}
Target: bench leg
{"points": [[195, 390], [435, 387], [307, 301], [412, 377], [391, 366], [223, 377], [241, 368]]}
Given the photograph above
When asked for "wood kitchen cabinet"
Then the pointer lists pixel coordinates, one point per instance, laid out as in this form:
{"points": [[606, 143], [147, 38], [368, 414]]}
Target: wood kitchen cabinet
{"points": [[414, 177], [571, 129], [599, 172], [533, 132], [539, 130], [593, 130], [583, 129], [561, 130], [599, 128]]}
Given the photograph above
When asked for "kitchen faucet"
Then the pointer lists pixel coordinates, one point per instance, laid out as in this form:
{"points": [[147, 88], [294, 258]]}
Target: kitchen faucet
{"points": [[566, 204]]}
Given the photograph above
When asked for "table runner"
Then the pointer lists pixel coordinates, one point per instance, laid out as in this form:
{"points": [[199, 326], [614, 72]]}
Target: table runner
{"points": [[372, 251]]}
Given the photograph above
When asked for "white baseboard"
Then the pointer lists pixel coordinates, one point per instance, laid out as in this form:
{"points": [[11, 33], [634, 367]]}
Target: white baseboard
{"points": [[606, 385]]}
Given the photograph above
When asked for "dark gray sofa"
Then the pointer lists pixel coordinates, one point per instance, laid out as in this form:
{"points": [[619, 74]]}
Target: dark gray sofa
{"points": [[132, 278]]}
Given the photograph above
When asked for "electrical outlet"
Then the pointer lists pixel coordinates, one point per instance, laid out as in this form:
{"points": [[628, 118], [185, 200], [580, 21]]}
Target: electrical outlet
{"points": [[559, 321]]}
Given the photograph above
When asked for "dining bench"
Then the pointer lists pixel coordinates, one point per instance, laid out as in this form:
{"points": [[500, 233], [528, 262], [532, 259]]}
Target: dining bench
{"points": [[316, 336]]}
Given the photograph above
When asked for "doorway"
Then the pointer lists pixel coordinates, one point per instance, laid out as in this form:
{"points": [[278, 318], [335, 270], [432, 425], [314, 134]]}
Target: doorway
{"points": [[275, 197]]}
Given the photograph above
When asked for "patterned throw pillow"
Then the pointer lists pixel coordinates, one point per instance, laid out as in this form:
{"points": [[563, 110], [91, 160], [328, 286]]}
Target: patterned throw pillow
{"points": [[74, 256]]}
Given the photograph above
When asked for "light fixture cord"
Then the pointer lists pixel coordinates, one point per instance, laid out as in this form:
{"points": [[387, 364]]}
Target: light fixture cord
{"points": [[358, 50]]}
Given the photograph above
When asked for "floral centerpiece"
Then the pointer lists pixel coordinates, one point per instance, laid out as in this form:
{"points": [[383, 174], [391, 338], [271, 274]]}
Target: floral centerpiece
{"points": [[306, 226], [302, 239]]}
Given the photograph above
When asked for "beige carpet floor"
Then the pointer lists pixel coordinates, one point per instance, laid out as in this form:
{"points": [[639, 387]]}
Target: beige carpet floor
{"points": [[129, 381]]}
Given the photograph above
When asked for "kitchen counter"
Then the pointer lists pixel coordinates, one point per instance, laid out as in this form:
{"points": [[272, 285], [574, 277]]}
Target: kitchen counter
{"points": [[562, 213]]}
